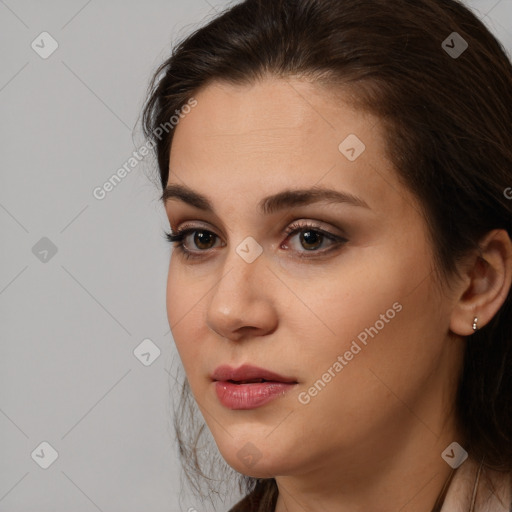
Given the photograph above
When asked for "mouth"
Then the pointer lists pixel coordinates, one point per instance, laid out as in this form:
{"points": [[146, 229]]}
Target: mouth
{"points": [[248, 374], [251, 381], [249, 387]]}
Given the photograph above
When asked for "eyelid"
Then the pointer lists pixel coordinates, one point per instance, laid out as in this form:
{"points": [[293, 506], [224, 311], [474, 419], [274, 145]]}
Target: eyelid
{"points": [[317, 224], [192, 225], [291, 226], [288, 222]]}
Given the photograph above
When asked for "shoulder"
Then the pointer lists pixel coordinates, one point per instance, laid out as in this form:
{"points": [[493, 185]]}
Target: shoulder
{"points": [[475, 487]]}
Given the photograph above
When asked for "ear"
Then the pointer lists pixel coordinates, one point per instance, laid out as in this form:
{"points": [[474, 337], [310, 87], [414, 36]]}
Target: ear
{"points": [[486, 283]]}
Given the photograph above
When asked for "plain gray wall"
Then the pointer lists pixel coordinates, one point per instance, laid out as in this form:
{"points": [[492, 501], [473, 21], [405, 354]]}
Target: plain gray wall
{"points": [[71, 322]]}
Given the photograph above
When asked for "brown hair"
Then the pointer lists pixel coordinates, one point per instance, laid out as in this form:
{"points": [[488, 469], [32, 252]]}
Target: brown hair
{"points": [[448, 122]]}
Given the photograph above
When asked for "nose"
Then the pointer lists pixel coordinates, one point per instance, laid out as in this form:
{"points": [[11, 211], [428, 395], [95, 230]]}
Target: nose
{"points": [[241, 303]]}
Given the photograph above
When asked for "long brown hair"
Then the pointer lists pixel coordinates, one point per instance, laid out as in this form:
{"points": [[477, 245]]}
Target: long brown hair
{"points": [[448, 122]]}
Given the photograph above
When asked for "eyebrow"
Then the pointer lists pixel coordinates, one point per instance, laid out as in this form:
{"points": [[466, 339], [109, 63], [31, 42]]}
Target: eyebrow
{"points": [[268, 205]]}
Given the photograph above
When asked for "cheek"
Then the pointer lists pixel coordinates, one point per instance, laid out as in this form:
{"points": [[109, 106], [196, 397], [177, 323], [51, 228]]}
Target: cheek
{"points": [[382, 296], [385, 362], [184, 312], [383, 319], [346, 298], [353, 314]]}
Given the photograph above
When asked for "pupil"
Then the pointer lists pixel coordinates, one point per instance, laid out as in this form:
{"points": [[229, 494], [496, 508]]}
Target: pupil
{"points": [[200, 238], [307, 235]]}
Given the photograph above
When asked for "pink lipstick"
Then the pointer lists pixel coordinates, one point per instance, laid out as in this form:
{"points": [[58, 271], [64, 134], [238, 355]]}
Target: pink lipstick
{"points": [[249, 387]]}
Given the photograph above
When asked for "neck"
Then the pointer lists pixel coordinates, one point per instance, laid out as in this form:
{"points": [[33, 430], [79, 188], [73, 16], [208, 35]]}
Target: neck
{"points": [[407, 474]]}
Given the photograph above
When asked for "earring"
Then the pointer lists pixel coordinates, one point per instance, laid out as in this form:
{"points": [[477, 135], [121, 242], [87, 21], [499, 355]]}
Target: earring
{"points": [[475, 320]]}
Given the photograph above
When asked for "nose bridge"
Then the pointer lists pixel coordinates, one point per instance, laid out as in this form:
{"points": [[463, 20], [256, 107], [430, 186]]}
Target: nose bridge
{"points": [[243, 264], [236, 299]]}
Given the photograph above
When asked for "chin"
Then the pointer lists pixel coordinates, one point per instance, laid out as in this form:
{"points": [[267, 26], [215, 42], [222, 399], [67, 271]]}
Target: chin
{"points": [[259, 470], [256, 461]]}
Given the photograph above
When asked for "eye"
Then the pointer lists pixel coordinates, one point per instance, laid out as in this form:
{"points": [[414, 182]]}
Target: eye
{"points": [[312, 238], [202, 238]]}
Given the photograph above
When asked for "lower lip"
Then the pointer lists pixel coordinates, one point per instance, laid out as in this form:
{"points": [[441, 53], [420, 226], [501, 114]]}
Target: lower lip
{"points": [[249, 396]]}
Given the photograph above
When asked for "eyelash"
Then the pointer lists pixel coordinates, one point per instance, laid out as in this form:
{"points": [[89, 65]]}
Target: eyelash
{"points": [[179, 236]]}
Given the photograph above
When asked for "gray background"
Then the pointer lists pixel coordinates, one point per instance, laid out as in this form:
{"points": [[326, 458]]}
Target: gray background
{"points": [[70, 323]]}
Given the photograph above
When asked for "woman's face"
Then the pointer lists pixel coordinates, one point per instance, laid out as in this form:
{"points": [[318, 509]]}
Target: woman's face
{"points": [[337, 296]]}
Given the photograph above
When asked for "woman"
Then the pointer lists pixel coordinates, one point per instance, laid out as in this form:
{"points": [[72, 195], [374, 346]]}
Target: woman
{"points": [[338, 190]]}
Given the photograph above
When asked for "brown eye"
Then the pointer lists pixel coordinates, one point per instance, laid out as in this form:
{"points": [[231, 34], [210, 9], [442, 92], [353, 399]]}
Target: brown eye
{"points": [[204, 239], [311, 239]]}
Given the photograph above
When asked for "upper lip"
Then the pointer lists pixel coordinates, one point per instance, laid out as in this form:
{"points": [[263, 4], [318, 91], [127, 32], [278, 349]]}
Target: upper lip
{"points": [[247, 372]]}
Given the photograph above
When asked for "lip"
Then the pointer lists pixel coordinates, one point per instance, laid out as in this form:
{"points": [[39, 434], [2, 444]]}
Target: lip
{"points": [[248, 372], [249, 395]]}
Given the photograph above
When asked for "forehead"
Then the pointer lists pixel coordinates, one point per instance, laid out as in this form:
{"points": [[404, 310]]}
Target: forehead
{"points": [[272, 110], [276, 133]]}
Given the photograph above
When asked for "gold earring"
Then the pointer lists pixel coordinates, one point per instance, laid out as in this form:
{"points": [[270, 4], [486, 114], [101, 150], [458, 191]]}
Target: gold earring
{"points": [[475, 320]]}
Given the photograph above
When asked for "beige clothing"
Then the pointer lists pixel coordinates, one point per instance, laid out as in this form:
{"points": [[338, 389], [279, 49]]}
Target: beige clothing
{"points": [[474, 491]]}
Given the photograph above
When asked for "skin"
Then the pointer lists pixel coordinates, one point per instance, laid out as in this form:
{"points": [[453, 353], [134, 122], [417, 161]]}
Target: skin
{"points": [[372, 438]]}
